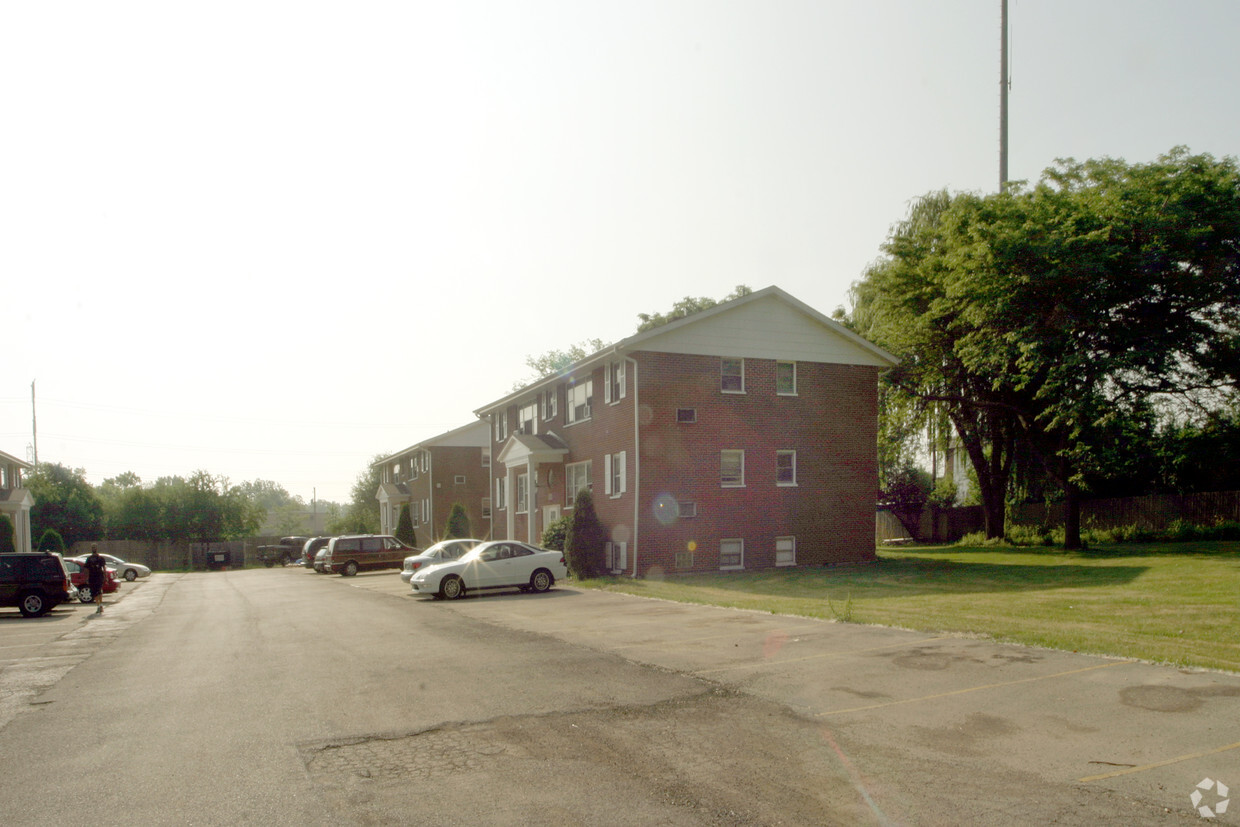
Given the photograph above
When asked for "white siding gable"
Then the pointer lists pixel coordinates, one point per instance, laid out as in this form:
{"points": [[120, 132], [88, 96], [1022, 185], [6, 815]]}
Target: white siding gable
{"points": [[768, 328]]}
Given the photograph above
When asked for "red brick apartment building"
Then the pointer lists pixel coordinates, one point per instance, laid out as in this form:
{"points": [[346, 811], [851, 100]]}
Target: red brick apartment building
{"points": [[431, 477], [741, 437]]}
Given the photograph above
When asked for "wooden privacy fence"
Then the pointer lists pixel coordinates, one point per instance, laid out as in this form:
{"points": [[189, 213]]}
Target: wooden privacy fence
{"points": [[1155, 512], [161, 556]]}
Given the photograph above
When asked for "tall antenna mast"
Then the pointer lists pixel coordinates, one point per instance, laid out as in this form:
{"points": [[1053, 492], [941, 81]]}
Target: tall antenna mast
{"points": [[1003, 97]]}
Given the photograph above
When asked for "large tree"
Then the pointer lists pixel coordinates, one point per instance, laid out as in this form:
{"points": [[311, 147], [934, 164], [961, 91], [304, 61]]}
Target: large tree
{"points": [[64, 501], [1043, 316]]}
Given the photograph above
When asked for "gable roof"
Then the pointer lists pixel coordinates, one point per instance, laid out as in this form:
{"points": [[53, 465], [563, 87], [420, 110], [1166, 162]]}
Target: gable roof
{"points": [[765, 324], [472, 435], [9, 459]]}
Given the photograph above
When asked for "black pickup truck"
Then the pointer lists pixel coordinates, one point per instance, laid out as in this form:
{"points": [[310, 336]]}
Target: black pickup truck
{"points": [[286, 553]]}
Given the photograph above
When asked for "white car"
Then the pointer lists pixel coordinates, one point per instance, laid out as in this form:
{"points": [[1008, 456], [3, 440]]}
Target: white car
{"points": [[129, 571], [442, 552], [499, 564]]}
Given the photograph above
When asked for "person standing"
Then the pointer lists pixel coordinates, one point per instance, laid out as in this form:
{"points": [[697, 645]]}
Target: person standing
{"points": [[96, 571]]}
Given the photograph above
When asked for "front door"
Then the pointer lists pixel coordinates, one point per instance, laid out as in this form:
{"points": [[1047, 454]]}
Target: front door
{"points": [[551, 513]]}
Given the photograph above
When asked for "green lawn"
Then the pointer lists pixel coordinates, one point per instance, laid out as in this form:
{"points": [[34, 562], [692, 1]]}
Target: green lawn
{"points": [[1167, 602]]}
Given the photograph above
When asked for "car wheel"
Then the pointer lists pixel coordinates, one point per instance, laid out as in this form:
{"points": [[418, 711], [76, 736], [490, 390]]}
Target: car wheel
{"points": [[85, 595], [451, 588], [34, 604], [541, 580], [131, 575], [350, 568]]}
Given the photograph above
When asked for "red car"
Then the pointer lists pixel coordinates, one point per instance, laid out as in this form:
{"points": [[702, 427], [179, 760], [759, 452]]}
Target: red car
{"points": [[80, 579]]}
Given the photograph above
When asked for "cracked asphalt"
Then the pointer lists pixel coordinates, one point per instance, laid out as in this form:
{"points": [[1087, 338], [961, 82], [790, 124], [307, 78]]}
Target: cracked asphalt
{"points": [[278, 696]]}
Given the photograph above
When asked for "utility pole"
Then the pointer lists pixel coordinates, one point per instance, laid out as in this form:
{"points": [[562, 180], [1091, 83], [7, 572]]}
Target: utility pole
{"points": [[1003, 96], [34, 424]]}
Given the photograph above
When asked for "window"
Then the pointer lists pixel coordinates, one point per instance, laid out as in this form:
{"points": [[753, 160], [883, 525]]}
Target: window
{"points": [[684, 559], [426, 510], [732, 469], [579, 396], [785, 551], [687, 509], [486, 458], [486, 508], [732, 375], [615, 381], [731, 554], [617, 556], [501, 500], [550, 404], [686, 415], [786, 378], [576, 477], [528, 417], [501, 426], [615, 473], [459, 479], [523, 494], [786, 468]]}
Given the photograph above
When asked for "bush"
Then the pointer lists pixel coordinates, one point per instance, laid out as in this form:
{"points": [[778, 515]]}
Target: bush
{"points": [[8, 535], [404, 526], [458, 522], [585, 544], [554, 534], [51, 541]]}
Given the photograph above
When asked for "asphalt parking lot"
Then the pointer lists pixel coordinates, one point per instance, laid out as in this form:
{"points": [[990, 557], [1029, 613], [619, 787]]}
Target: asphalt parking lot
{"points": [[1139, 731]]}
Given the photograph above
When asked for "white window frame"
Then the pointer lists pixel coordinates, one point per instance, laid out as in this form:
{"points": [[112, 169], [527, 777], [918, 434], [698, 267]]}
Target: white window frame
{"points": [[686, 510], [792, 365], [550, 404], [486, 508], [501, 496], [724, 375], [792, 483], [739, 481], [788, 551], [577, 475], [615, 472], [615, 390], [458, 479], [617, 556], [523, 494], [528, 415], [575, 411], [732, 546]]}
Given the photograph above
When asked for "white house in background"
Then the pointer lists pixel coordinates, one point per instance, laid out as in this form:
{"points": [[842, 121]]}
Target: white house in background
{"points": [[15, 501]]}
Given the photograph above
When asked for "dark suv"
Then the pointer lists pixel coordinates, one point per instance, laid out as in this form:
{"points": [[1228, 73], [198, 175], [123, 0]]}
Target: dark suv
{"points": [[34, 582], [351, 554]]}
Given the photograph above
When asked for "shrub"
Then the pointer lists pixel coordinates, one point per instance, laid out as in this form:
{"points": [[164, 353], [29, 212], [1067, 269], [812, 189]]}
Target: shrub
{"points": [[554, 534], [8, 539], [404, 526], [458, 522], [51, 541], [585, 544]]}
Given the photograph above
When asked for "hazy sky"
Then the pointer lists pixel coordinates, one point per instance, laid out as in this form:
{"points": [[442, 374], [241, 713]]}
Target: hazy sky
{"points": [[273, 239]]}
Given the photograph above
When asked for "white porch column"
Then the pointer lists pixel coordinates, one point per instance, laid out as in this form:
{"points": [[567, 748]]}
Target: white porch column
{"points": [[510, 495], [531, 499]]}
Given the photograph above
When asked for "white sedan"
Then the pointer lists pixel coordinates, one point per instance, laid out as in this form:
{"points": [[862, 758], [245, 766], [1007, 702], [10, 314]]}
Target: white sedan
{"points": [[500, 564], [442, 552], [129, 571]]}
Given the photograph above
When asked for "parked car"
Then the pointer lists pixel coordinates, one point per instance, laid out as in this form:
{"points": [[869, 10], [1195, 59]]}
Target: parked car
{"points": [[311, 548], [320, 561], [129, 571], [34, 582], [359, 552], [499, 564], [76, 566], [442, 552]]}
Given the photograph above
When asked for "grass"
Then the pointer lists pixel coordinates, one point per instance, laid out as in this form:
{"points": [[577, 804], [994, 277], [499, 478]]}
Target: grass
{"points": [[1175, 603]]}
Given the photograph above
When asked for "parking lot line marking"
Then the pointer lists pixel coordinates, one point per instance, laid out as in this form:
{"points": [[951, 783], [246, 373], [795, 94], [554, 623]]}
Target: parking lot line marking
{"points": [[820, 656], [971, 689], [1156, 765]]}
